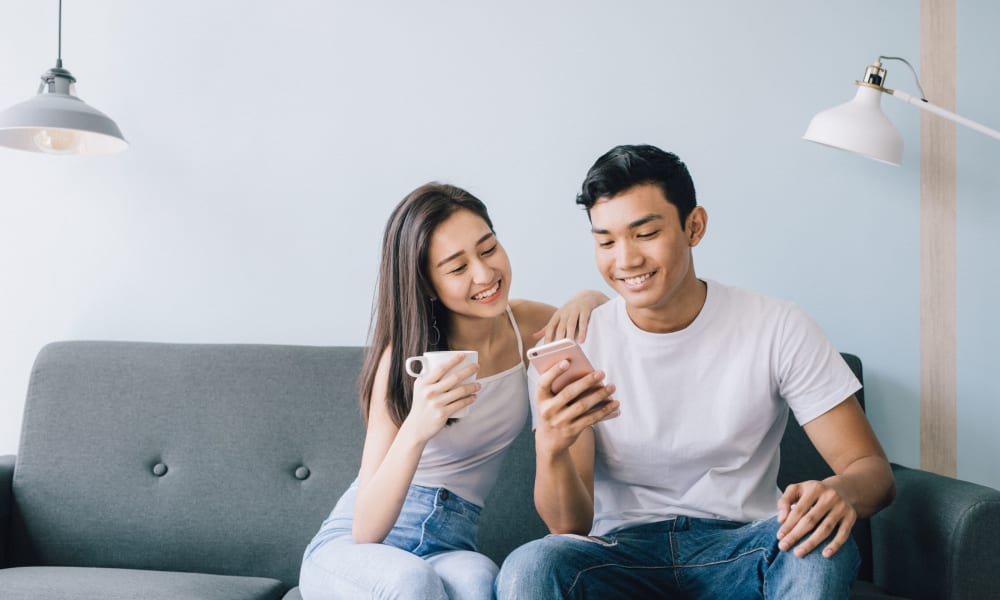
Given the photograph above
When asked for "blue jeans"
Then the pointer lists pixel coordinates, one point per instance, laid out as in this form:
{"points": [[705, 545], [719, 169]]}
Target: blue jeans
{"points": [[680, 558], [429, 553]]}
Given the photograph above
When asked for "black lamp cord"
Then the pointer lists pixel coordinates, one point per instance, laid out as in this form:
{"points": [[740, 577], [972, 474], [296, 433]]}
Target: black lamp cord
{"points": [[59, 56]]}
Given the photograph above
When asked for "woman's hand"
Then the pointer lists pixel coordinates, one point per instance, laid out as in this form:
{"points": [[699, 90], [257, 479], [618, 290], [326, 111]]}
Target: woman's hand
{"points": [[437, 396], [572, 318]]}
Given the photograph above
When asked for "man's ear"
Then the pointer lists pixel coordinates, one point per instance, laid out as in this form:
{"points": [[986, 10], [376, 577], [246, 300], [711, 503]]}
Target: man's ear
{"points": [[697, 221]]}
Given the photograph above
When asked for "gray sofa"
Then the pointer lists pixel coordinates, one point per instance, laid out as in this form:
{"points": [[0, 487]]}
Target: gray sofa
{"points": [[170, 471]]}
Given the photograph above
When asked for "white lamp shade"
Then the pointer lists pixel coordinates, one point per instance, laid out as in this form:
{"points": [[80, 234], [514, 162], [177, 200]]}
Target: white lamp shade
{"points": [[859, 126], [61, 124]]}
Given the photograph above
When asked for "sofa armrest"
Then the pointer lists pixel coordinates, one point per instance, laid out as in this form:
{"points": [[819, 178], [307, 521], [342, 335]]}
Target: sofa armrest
{"points": [[6, 503], [940, 538]]}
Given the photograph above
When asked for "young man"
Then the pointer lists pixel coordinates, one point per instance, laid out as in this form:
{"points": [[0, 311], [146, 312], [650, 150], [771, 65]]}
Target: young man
{"points": [[677, 495]]}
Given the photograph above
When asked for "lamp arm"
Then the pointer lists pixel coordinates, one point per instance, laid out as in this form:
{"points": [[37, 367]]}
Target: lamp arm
{"points": [[947, 114]]}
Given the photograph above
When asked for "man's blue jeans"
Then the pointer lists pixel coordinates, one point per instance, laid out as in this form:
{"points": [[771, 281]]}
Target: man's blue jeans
{"points": [[680, 558]]}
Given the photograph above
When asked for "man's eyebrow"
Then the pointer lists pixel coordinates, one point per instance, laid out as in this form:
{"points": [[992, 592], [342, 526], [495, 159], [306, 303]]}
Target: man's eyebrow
{"points": [[461, 252], [634, 224]]}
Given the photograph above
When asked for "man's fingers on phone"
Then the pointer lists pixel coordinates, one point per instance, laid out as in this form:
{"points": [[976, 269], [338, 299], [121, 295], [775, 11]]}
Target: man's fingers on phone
{"points": [[546, 378], [597, 402], [609, 409], [582, 384]]}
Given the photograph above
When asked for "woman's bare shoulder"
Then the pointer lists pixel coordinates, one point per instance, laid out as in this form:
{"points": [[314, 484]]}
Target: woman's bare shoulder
{"points": [[531, 316]]}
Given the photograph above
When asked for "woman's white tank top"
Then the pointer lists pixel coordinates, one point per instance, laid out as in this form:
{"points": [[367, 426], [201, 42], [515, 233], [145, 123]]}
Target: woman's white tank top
{"points": [[465, 456]]}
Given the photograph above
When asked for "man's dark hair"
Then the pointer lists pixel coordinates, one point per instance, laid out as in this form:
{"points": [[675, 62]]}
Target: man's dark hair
{"points": [[624, 167]]}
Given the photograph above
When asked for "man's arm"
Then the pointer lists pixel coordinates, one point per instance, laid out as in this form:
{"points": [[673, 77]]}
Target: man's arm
{"points": [[564, 449], [861, 485]]}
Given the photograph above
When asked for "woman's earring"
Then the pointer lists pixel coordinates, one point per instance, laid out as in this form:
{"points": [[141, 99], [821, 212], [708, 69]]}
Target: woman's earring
{"points": [[435, 332]]}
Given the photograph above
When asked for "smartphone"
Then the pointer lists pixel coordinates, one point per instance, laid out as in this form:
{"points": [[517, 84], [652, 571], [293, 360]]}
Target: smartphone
{"points": [[544, 357]]}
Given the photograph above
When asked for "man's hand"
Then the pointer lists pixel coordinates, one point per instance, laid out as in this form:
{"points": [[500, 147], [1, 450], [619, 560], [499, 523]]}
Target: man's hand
{"points": [[563, 416], [814, 509]]}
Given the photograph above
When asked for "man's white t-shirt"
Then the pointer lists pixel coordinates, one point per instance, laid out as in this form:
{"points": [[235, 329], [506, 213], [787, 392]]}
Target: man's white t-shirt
{"points": [[703, 409]]}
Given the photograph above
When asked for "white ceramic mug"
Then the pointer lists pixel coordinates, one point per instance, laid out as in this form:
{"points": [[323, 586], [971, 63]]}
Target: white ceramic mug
{"points": [[431, 361]]}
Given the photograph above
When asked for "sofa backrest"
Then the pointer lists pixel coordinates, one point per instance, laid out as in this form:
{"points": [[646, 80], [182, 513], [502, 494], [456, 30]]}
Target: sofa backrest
{"points": [[207, 458], [221, 458]]}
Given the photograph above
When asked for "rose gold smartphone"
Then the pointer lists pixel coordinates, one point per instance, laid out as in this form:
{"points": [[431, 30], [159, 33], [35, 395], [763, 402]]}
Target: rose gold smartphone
{"points": [[544, 357]]}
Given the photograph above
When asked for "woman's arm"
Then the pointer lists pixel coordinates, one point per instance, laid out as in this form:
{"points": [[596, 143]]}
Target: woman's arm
{"points": [[391, 454], [572, 318]]}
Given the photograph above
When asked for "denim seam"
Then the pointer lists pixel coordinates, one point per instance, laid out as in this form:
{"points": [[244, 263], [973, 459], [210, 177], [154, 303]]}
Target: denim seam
{"points": [[674, 553], [423, 524], [728, 560], [576, 579]]}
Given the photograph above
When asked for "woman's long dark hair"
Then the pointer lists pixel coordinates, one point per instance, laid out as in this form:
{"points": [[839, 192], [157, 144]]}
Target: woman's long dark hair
{"points": [[402, 313]]}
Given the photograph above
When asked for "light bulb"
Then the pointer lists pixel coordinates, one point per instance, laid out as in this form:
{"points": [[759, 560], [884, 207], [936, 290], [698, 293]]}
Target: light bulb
{"points": [[58, 141]]}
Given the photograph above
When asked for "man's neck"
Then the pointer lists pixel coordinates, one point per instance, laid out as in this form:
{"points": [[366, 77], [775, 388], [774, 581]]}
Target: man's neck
{"points": [[676, 313]]}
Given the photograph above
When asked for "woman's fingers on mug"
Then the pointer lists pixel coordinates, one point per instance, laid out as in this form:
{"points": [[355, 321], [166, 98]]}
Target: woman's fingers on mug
{"points": [[465, 399], [442, 374], [449, 364], [456, 377]]}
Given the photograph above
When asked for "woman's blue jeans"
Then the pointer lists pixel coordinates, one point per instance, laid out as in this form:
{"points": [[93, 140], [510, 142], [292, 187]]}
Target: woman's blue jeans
{"points": [[430, 553], [680, 558]]}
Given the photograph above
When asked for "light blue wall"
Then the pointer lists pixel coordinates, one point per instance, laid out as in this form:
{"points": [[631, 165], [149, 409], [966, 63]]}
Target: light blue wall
{"points": [[270, 140], [978, 87]]}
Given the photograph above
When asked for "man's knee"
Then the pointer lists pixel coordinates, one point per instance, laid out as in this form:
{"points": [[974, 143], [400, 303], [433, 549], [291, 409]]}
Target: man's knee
{"points": [[529, 568], [829, 577]]}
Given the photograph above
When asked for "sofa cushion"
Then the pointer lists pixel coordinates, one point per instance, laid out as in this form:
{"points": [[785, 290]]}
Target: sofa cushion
{"points": [[79, 583], [866, 590], [206, 458]]}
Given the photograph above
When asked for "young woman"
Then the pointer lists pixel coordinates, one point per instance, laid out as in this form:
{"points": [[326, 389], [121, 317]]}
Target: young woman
{"points": [[406, 528]]}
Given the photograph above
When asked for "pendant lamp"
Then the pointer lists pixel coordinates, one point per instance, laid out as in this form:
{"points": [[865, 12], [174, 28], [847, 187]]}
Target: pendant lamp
{"points": [[57, 121]]}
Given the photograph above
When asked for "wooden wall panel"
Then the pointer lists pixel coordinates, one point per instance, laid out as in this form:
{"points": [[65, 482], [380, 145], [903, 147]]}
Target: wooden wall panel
{"points": [[938, 379]]}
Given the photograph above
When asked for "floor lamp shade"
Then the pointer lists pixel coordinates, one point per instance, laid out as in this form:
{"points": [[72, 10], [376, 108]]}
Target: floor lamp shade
{"points": [[859, 126]]}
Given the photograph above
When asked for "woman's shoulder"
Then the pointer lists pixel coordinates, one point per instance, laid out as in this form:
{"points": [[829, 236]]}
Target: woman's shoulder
{"points": [[530, 315]]}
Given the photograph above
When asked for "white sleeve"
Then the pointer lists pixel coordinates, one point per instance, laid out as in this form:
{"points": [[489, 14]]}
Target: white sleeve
{"points": [[812, 376]]}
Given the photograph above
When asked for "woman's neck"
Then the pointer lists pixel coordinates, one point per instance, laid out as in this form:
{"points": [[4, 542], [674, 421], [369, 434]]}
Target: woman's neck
{"points": [[482, 335]]}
